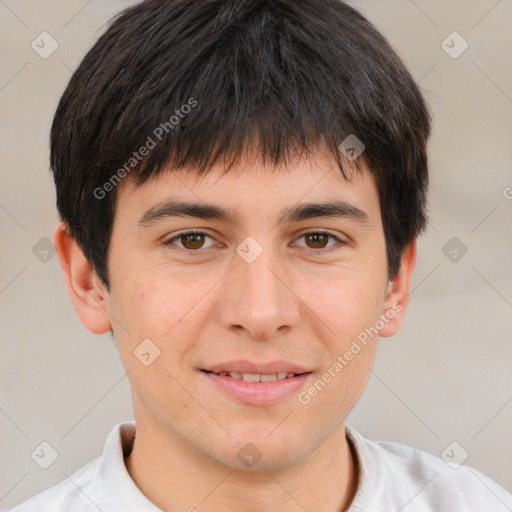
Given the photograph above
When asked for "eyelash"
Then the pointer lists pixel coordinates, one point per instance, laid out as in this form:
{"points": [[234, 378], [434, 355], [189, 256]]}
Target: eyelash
{"points": [[192, 232]]}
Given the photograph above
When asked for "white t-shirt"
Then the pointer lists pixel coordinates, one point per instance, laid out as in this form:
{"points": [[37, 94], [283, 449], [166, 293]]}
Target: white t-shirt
{"points": [[392, 477]]}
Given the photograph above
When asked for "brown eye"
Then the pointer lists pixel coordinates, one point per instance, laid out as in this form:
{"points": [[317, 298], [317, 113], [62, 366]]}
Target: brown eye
{"points": [[317, 240], [320, 240], [193, 241]]}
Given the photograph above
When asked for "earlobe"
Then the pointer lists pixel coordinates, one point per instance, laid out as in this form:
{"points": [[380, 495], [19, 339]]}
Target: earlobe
{"points": [[87, 292], [397, 293]]}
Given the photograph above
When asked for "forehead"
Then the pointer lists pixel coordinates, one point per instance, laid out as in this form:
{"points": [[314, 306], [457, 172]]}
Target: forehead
{"points": [[253, 189]]}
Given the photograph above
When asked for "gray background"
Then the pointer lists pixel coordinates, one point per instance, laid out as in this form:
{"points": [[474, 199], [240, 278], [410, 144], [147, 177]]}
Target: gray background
{"points": [[444, 377]]}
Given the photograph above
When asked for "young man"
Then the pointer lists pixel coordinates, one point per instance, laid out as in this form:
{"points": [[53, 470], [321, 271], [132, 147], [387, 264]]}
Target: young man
{"points": [[241, 185]]}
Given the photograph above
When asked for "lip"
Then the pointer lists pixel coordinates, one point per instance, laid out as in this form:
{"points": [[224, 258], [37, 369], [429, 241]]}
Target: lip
{"points": [[257, 393], [242, 366]]}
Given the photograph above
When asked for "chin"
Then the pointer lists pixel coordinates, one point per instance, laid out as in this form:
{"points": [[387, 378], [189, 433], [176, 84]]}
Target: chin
{"points": [[260, 450]]}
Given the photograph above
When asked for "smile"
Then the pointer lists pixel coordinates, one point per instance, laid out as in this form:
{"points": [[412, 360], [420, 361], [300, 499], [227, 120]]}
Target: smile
{"points": [[256, 377], [259, 389]]}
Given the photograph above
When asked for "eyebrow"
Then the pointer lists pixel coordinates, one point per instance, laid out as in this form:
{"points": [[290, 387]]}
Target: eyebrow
{"points": [[302, 211]]}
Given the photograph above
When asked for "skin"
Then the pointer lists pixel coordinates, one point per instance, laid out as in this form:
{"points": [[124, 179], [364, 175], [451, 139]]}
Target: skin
{"points": [[300, 301]]}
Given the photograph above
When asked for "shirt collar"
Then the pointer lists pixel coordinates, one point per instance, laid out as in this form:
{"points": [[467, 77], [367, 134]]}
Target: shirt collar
{"points": [[117, 491]]}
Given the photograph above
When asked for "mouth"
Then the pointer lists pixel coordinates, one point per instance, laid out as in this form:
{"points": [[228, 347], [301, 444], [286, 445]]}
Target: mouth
{"points": [[257, 377], [258, 389]]}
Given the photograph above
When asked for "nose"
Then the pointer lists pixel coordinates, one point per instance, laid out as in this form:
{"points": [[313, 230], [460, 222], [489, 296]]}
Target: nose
{"points": [[257, 298]]}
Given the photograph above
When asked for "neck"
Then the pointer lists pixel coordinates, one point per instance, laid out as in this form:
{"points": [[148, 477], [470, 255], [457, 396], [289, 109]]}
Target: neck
{"points": [[175, 476]]}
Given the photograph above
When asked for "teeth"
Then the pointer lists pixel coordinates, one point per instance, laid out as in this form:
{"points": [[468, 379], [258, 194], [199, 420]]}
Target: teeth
{"points": [[251, 377], [257, 377]]}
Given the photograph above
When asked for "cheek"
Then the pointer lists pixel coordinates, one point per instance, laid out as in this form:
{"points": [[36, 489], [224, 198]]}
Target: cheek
{"points": [[347, 305], [349, 311], [170, 308], [154, 301], [157, 320]]}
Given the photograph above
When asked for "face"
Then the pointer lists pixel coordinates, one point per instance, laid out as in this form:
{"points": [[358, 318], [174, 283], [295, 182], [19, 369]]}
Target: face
{"points": [[264, 288]]}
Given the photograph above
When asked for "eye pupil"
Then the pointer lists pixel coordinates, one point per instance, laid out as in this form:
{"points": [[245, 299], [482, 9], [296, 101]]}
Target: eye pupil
{"points": [[196, 240], [317, 238]]}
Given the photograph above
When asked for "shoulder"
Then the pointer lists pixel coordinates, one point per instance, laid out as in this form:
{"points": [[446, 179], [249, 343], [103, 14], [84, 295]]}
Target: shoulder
{"points": [[398, 474], [102, 484], [76, 492]]}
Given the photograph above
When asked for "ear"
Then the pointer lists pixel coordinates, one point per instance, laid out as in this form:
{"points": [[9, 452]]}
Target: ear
{"points": [[397, 293], [87, 291]]}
